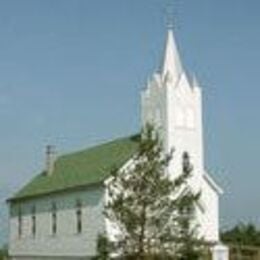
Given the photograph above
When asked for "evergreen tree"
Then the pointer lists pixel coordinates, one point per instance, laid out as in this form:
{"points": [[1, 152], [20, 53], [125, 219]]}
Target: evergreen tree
{"points": [[242, 234], [147, 206]]}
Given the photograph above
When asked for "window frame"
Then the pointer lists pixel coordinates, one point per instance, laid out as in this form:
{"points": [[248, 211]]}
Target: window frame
{"points": [[33, 216], [79, 216], [54, 222]]}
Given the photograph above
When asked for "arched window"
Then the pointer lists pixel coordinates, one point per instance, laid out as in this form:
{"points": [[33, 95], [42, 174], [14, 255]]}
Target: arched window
{"points": [[33, 221], [54, 219], [79, 216], [186, 165]]}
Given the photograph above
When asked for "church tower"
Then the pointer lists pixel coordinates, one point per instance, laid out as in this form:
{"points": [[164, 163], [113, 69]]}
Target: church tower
{"points": [[172, 103]]}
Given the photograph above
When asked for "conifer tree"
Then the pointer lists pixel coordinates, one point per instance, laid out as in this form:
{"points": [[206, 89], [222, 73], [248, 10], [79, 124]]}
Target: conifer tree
{"points": [[146, 205]]}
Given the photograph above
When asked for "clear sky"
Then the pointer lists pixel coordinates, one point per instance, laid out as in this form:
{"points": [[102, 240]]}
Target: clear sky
{"points": [[71, 72]]}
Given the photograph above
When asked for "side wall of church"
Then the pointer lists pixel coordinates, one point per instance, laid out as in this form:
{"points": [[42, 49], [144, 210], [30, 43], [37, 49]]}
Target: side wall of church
{"points": [[67, 243], [209, 220]]}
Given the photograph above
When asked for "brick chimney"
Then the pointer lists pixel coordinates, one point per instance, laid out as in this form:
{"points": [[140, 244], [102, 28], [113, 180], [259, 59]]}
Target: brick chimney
{"points": [[50, 159]]}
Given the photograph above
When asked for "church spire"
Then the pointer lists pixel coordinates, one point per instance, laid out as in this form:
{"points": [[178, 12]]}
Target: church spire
{"points": [[171, 66]]}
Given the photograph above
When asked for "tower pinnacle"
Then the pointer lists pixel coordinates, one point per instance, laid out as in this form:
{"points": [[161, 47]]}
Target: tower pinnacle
{"points": [[171, 66]]}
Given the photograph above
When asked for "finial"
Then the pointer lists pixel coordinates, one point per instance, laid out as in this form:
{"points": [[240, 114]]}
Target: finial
{"points": [[194, 81], [169, 15]]}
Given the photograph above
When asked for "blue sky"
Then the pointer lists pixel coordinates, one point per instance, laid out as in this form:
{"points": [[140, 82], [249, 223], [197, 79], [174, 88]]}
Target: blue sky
{"points": [[71, 72]]}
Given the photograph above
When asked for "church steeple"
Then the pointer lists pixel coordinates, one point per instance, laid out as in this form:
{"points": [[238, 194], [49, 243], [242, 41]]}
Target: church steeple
{"points": [[171, 65], [172, 103]]}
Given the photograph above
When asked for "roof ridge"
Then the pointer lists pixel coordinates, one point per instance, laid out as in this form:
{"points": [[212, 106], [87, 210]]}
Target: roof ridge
{"points": [[98, 145]]}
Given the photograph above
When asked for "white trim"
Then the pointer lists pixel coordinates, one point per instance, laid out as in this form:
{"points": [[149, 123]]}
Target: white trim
{"points": [[212, 183]]}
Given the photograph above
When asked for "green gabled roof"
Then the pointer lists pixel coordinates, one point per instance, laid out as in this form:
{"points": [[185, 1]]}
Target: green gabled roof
{"points": [[87, 167]]}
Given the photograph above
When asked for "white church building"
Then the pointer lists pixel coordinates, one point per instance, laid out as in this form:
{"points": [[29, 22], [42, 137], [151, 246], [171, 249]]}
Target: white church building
{"points": [[59, 213]]}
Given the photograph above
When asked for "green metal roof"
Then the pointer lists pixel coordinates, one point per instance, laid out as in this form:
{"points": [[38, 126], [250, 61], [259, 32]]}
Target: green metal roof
{"points": [[87, 167]]}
